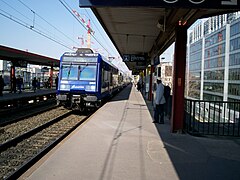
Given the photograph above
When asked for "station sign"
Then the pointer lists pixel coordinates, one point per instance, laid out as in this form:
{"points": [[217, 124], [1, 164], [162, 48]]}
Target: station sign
{"points": [[207, 4], [135, 72], [133, 58], [141, 65], [156, 61], [20, 63]]}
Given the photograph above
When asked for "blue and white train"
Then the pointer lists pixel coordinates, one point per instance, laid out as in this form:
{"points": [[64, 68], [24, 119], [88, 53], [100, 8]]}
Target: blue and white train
{"points": [[86, 78]]}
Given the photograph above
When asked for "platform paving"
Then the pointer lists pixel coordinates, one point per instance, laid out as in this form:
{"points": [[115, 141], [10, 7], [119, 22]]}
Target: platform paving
{"points": [[120, 142]]}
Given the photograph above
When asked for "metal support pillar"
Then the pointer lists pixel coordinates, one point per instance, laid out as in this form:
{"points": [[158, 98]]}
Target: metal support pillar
{"points": [[179, 78], [143, 89], [51, 76], [12, 79], [150, 83]]}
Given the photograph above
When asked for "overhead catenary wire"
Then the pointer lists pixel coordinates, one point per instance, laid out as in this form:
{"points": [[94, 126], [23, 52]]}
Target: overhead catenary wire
{"points": [[70, 11], [48, 22], [99, 31], [16, 10], [19, 21], [32, 26]]}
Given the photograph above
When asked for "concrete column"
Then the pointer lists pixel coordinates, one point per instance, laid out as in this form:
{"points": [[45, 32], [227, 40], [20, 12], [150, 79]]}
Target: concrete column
{"points": [[179, 78]]}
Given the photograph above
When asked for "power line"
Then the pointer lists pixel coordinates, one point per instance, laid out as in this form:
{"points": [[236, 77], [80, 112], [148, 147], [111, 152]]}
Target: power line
{"points": [[99, 31], [47, 22], [32, 26], [16, 10], [63, 2], [19, 21]]}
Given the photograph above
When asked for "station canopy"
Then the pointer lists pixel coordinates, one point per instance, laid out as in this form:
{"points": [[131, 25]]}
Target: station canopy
{"points": [[143, 29], [21, 58]]}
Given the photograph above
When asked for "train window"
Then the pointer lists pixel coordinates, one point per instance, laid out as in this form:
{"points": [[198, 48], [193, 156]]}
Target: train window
{"points": [[87, 73], [69, 72]]}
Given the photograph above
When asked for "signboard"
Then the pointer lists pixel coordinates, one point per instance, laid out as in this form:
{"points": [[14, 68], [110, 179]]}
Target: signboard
{"points": [[168, 70], [126, 58], [156, 61], [20, 63], [140, 65], [135, 72], [133, 58], [208, 4]]}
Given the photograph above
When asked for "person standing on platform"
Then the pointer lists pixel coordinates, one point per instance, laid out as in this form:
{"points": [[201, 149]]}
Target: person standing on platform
{"points": [[159, 103], [34, 84], [2, 84], [19, 82], [167, 108], [38, 83], [139, 86]]}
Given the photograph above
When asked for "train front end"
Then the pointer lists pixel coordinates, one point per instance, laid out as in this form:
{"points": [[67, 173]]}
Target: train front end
{"points": [[78, 81]]}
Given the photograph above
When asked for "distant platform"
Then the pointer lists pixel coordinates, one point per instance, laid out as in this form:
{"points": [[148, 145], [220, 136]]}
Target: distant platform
{"points": [[7, 96]]}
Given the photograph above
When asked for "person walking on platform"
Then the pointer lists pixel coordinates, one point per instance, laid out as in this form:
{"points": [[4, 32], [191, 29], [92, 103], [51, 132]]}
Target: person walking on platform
{"points": [[19, 82], [2, 84], [159, 103], [38, 83], [34, 84]]}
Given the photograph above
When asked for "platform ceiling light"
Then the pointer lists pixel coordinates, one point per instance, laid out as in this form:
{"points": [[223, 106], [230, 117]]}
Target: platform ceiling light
{"points": [[161, 24]]}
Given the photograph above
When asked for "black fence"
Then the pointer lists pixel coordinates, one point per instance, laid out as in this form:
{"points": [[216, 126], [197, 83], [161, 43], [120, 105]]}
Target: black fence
{"points": [[220, 118]]}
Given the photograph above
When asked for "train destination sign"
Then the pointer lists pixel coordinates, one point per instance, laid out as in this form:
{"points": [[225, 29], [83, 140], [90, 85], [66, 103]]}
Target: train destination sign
{"points": [[133, 58], [207, 4]]}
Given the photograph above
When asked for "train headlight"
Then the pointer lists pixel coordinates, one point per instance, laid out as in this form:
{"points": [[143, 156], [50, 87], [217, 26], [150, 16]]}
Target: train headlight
{"points": [[65, 87], [90, 88], [90, 98]]}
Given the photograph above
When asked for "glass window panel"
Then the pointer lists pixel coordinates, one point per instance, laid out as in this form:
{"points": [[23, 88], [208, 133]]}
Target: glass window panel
{"points": [[70, 72], [87, 73]]}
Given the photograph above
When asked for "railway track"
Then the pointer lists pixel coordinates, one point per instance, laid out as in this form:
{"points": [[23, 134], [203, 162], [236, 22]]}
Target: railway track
{"points": [[13, 115], [21, 147]]}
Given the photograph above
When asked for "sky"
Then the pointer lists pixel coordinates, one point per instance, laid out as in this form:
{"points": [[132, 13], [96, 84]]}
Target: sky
{"points": [[167, 56], [47, 28]]}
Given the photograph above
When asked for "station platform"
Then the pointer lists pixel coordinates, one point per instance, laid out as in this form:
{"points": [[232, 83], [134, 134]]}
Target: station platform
{"points": [[120, 142], [25, 94]]}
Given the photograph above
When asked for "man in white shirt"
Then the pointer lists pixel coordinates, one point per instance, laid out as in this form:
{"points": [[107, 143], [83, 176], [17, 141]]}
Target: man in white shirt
{"points": [[159, 102]]}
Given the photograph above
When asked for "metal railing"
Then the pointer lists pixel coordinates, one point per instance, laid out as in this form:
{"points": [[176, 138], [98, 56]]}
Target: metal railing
{"points": [[220, 118]]}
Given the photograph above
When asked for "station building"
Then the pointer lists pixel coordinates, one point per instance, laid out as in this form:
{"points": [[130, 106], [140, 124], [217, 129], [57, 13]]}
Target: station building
{"points": [[42, 73], [213, 59]]}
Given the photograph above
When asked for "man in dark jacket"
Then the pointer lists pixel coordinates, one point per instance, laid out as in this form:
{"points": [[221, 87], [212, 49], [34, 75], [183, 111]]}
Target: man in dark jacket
{"points": [[19, 82], [34, 84], [167, 107]]}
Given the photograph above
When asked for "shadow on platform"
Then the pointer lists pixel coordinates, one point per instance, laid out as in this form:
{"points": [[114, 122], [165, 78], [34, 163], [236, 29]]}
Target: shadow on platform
{"points": [[200, 157]]}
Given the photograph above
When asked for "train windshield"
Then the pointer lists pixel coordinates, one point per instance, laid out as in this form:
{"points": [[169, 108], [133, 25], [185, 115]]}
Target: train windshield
{"points": [[87, 73], [79, 72]]}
